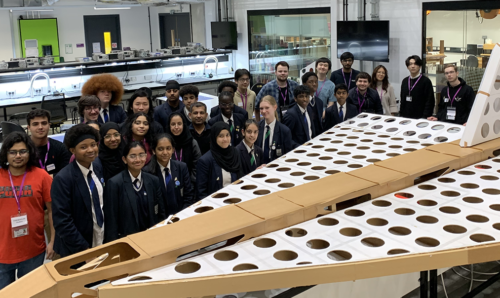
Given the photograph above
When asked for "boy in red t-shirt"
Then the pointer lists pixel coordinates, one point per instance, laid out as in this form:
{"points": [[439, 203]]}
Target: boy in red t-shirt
{"points": [[24, 191]]}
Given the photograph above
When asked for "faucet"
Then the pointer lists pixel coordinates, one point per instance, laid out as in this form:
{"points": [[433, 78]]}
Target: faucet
{"points": [[216, 63], [40, 74]]}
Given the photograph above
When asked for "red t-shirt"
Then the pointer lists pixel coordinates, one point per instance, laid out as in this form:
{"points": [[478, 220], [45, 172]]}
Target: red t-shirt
{"points": [[36, 192]]}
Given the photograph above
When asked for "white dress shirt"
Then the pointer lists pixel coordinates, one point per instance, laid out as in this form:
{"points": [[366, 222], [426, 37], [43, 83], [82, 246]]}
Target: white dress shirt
{"points": [[139, 177], [343, 108], [98, 232], [226, 178], [308, 120], [271, 134], [250, 149], [226, 120], [162, 168]]}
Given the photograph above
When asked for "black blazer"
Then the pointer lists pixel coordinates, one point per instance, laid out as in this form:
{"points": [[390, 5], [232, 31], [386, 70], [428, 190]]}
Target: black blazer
{"points": [[72, 209], [337, 78], [121, 216], [236, 109], [293, 119], [372, 103], [332, 115], [209, 178], [245, 157], [163, 111], [239, 124], [282, 140], [116, 114]]}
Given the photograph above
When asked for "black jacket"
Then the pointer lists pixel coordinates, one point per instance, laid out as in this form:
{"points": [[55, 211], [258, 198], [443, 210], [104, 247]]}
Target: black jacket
{"points": [[337, 78], [163, 111], [245, 157], [209, 176], [371, 103], [423, 101], [239, 124], [332, 115], [463, 102], [216, 111], [282, 140], [57, 158], [116, 114], [295, 122]]}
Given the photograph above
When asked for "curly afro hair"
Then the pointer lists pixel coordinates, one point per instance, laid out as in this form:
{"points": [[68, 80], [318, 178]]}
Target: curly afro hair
{"points": [[104, 81]]}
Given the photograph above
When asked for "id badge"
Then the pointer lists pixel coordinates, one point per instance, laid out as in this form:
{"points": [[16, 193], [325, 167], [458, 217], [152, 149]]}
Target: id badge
{"points": [[278, 152], [446, 99], [19, 224], [51, 167], [408, 98], [240, 104], [450, 113]]}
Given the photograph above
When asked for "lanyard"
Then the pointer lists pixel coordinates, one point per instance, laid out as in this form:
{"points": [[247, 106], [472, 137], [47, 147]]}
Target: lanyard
{"points": [[318, 92], [42, 165], [286, 94], [19, 194], [244, 101], [350, 77], [359, 102], [176, 158], [452, 99], [410, 89], [381, 92]]}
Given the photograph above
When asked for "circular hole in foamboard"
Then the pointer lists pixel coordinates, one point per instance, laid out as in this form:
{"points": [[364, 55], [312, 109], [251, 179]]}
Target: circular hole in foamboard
{"points": [[297, 174], [466, 173], [496, 159], [491, 191], [369, 133], [237, 182], [232, 201], [378, 222], [485, 130], [341, 135], [317, 244], [409, 149], [392, 129], [329, 133], [258, 176], [366, 140], [272, 165], [336, 142], [318, 168], [328, 221], [220, 195], [175, 219], [399, 231], [405, 122], [397, 251], [496, 85], [285, 255], [261, 192], [311, 178], [384, 136], [393, 154], [469, 185], [437, 127], [412, 142], [331, 150], [264, 242], [397, 139], [395, 146], [440, 139], [427, 187], [325, 158], [373, 242], [424, 136], [377, 126], [339, 255], [304, 263], [272, 180], [373, 160], [454, 130], [472, 200], [283, 169], [454, 229], [352, 137], [286, 185], [226, 255], [248, 187], [487, 109], [483, 167], [450, 193], [350, 232], [426, 219], [325, 139], [312, 154], [426, 144], [318, 146], [496, 226], [378, 151], [427, 242], [355, 166], [496, 127], [404, 211], [300, 151], [422, 124], [362, 116], [488, 177], [354, 212], [389, 120], [246, 266], [203, 209], [359, 157], [307, 144], [187, 267], [481, 238], [446, 180], [381, 203], [450, 210], [380, 143], [140, 277], [477, 218], [344, 153], [495, 207], [331, 172], [427, 203], [350, 145], [403, 195], [375, 118], [340, 162], [291, 160], [296, 232], [363, 124]]}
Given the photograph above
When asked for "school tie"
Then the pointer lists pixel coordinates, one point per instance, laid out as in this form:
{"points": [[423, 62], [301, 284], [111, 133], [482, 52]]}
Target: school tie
{"points": [[168, 177], [267, 156], [137, 184], [307, 126], [341, 113], [106, 117], [231, 130], [95, 200], [253, 166]]}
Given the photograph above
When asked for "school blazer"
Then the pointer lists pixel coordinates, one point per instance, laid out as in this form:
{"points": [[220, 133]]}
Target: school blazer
{"points": [[209, 176], [318, 110], [245, 157], [163, 111], [121, 217], [236, 109], [332, 115], [115, 113], [239, 124], [295, 122], [282, 139], [72, 209]]}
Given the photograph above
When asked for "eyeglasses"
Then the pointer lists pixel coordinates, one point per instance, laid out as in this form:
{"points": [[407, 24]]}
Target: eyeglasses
{"points": [[89, 109], [21, 152], [115, 135], [244, 80], [135, 156], [226, 104]]}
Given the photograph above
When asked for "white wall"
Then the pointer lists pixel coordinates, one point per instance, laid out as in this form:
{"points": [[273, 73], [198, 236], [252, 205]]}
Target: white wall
{"points": [[5, 36]]}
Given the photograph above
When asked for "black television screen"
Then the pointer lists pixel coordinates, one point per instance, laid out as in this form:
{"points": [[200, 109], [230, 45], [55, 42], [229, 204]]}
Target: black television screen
{"points": [[224, 35], [366, 40]]}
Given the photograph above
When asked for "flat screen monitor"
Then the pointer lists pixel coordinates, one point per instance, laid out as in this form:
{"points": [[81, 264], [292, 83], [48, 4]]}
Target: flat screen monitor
{"points": [[224, 35], [366, 40]]}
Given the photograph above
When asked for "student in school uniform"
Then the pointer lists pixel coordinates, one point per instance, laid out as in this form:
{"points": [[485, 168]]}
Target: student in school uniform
{"points": [[233, 120], [220, 166], [110, 150], [244, 97], [137, 128], [275, 138], [346, 74], [301, 118], [232, 88], [189, 95], [109, 90], [172, 104], [251, 155], [141, 101], [310, 79], [365, 99], [133, 200], [177, 189], [77, 195], [341, 110], [88, 108]]}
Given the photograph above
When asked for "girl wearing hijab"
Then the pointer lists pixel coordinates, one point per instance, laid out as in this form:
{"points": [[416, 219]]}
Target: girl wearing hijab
{"points": [[187, 149], [138, 129], [220, 166], [110, 150]]}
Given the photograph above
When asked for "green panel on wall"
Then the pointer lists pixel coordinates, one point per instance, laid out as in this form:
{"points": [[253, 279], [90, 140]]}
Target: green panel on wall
{"points": [[43, 30]]}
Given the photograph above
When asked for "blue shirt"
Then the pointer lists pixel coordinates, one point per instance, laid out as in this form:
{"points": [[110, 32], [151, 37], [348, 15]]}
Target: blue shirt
{"points": [[327, 93], [273, 89]]}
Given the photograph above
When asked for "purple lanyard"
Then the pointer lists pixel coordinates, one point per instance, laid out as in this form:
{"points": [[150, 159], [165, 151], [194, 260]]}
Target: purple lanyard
{"points": [[453, 99], [42, 165], [176, 158], [244, 101], [410, 89], [381, 92], [350, 77], [19, 194], [318, 92], [364, 99], [286, 94]]}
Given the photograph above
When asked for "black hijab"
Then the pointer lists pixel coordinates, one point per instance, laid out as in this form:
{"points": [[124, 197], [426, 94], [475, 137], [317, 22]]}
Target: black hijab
{"points": [[111, 159], [183, 143], [229, 158]]}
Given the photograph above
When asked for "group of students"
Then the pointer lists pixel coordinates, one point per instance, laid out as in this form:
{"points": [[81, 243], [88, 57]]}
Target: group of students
{"points": [[120, 171]]}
